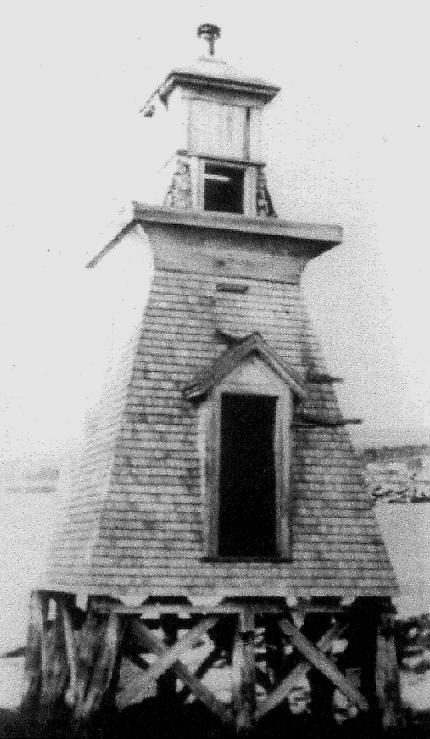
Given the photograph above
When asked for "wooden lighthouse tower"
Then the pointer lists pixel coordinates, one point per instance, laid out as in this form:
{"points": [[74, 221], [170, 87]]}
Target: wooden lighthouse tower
{"points": [[217, 520]]}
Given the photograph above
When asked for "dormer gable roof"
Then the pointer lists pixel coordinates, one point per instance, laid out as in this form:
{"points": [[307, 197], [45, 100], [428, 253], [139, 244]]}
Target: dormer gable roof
{"points": [[254, 344]]}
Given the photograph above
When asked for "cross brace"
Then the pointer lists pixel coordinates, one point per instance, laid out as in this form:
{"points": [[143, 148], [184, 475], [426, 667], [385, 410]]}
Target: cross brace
{"points": [[168, 658]]}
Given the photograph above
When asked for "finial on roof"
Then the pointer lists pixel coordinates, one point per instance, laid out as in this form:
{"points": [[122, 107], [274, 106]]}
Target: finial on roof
{"points": [[210, 33]]}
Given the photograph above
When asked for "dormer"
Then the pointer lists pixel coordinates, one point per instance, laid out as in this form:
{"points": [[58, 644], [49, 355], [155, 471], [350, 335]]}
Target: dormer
{"points": [[213, 116], [245, 401]]}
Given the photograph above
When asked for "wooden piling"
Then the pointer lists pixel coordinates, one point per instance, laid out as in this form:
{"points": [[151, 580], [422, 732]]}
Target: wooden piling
{"points": [[274, 650], [97, 653], [35, 651], [55, 669], [166, 683], [387, 685], [243, 673]]}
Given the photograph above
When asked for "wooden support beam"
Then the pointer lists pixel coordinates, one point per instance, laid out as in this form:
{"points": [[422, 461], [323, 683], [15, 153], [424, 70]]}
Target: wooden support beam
{"points": [[243, 672], [154, 611], [387, 675], [167, 657], [281, 691], [44, 640], [35, 650], [305, 418], [86, 653], [143, 637], [200, 672], [323, 664], [110, 640], [55, 670], [202, 693], [70, 644], [166, 683], [275, 658]]}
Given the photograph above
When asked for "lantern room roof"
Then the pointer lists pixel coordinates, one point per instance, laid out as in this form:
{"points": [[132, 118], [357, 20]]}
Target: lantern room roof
{"points": [[209, 71]]}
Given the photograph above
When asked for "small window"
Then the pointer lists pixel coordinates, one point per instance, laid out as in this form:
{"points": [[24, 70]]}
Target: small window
{"points": [[247, 477], [223, 188]]}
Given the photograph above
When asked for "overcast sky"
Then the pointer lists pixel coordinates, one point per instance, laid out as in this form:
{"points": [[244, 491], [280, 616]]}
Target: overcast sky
{"points": [[347, 142]]}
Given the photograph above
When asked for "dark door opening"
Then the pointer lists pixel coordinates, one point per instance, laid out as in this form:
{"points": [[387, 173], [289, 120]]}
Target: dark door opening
{"points": [[247, 485]]}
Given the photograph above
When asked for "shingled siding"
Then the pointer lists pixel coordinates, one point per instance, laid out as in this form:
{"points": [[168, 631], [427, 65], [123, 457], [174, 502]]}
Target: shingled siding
{"points": [[72, 548], [84, 488], [149, 535]]}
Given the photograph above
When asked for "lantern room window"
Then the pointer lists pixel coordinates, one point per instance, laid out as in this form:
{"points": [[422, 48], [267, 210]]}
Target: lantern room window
{"points": [[223, 188]]}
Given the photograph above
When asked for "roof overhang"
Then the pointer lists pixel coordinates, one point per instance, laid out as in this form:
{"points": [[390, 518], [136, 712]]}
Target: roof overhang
{"points": [[324, 236], [256, 88], [309, 239]]}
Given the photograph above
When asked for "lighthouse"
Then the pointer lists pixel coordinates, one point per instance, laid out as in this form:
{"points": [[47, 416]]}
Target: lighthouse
{"points": [[216, 497]]}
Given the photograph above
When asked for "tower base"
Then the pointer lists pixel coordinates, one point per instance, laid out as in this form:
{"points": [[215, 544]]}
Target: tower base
{"points": [[243, 667]]}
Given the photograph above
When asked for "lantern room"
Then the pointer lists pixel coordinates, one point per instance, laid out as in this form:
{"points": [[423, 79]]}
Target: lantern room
{"points": [[210, 119]]}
